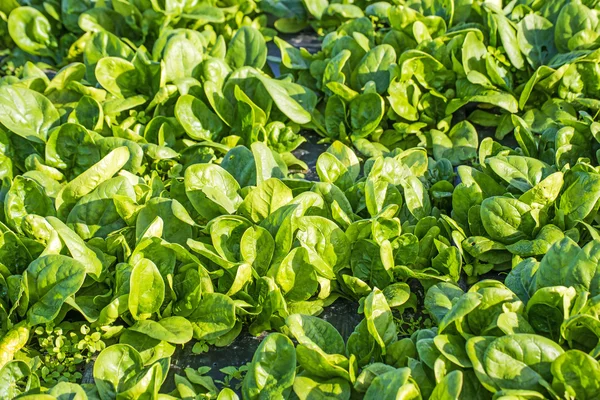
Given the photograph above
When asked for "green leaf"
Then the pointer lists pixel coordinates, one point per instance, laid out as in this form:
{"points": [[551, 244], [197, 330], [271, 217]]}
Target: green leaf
{"points": [[51, 279], [528, 356], [114, 368], [214, 316], [247, 48], [90, 179], [211, 190], [572, 372], [31, 31], [27, 113], [380, 321], [146, 290], [272, 370], [199, 122], [171, 329], [535, 36]]}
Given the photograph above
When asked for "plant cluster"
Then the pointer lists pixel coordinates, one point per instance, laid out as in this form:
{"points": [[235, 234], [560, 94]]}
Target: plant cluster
{"points": [[408, 74], [150, 198], [55, 33], [65, 350]]}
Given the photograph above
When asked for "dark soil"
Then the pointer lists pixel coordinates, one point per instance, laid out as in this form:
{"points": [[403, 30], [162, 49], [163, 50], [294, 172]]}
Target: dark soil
{"points": [[309, 152]]}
